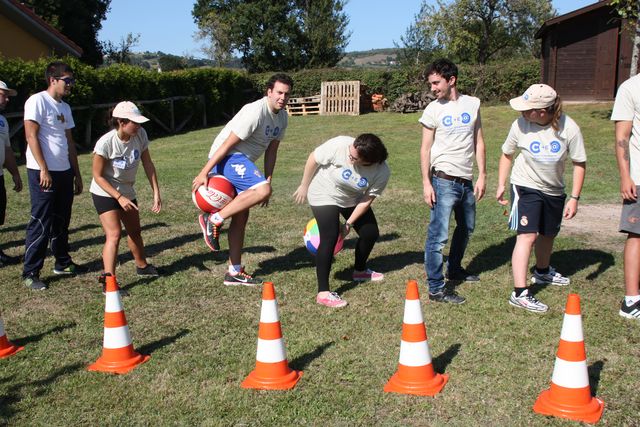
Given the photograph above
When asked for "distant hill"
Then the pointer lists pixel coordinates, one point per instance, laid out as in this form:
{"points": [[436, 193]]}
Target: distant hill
{"points": [[374, 58]]}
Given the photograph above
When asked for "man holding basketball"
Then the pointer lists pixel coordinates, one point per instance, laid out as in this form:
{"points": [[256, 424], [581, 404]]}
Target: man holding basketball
{"points": [[451, 136], [257, 129]]}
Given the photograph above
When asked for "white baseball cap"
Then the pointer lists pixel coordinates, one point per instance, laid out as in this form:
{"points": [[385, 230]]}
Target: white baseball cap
{"points": [[128, 110], [538, 96], [11, 92]]}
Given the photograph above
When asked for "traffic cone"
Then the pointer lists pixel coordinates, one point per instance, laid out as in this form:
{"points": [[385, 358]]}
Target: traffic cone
{"points": [[415, 373], [570, 394], [118, 355], [272, 370], [6, 347]]}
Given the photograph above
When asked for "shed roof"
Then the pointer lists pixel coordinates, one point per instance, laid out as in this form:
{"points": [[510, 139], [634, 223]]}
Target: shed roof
{"points": [[568, 16]]}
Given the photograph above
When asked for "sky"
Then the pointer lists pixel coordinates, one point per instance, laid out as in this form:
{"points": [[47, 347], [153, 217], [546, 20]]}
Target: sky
{"points": [[167, 25]]}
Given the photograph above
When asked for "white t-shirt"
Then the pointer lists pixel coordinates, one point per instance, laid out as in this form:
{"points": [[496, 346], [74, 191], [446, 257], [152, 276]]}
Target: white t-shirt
{"points": [[338, 182], [256, 125], [627, 108], [454, 123], [4, 140], [54, 119], [543, 151], [123, 159]]}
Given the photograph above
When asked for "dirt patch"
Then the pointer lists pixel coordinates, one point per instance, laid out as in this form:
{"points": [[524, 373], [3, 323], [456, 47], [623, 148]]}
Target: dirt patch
{"points": [[599, 223]]}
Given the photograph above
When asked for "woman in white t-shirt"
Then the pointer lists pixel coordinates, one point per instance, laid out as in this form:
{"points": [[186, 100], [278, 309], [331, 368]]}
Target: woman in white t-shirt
{"points": [[343, 176], [546, 138], [117, 155]]}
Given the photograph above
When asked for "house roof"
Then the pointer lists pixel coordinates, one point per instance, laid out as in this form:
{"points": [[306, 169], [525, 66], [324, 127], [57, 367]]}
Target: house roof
{"points": [[38, 27], [568, 16]]}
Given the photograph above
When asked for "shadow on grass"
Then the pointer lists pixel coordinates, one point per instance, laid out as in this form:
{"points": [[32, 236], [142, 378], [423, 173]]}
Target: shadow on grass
{"points": [[441, 362], [163, 342], [571, 261], [301, 362], [40, 388], [99, 239], [492, 257], [594, 375], [388, 237], [37, 337], [295, 260]]}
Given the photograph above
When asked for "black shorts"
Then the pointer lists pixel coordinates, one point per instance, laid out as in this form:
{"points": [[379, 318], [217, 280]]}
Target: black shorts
{"points": [[106, 204], [533, 211], [3, 200]]}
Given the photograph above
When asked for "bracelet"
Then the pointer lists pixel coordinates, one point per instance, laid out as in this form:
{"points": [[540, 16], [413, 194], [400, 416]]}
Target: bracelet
{"points": [[118, 198], [575, 197], [347, 224]]}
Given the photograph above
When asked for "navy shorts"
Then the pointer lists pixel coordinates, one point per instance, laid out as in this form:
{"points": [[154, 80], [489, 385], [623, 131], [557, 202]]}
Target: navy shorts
{"points": [[3, 200], [533, 211], [240, 171], [105, 204]]}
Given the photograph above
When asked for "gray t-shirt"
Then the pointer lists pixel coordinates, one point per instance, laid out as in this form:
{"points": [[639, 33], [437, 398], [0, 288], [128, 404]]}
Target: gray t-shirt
{"points": [[543, 151], [123, 159], [338, 182]]}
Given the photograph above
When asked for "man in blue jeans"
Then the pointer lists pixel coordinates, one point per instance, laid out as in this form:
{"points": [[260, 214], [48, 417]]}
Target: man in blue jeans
{"points": [[451, 137]]}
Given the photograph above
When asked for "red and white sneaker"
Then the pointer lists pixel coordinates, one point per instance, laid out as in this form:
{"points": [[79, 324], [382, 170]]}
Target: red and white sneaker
{"points": [[332, 300], [241, 279], [210, 232], [362, 276]]}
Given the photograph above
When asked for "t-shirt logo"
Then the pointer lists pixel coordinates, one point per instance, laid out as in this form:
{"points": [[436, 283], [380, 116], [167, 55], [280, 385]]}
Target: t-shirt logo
{"points": [[449, 121], [545, 152], [2, 123], [465, 117], [60, 118], [268, 132], [349, 176]]}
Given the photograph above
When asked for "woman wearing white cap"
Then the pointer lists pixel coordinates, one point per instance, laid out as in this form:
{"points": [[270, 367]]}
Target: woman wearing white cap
{"points": [[117, 155], [546, 138]]}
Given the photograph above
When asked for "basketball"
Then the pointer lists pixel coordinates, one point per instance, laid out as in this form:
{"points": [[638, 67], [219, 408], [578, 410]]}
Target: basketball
{"points": [[312, 238], [215, 196]]}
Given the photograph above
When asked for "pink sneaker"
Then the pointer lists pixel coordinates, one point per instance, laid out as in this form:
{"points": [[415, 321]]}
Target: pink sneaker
{"points": [[361, 276], [332, 300]]}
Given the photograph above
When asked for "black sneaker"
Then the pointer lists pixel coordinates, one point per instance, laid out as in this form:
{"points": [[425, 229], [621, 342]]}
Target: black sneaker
{"points": [[71, 269], [447, 295], [149, 270], [102, 279], [630, 311], [8, 260], [462, 275], [34, 283], [212, 236], [241, 278]]}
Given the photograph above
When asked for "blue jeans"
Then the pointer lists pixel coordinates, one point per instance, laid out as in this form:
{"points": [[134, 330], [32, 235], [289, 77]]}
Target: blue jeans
{"points": [[459, 198]]}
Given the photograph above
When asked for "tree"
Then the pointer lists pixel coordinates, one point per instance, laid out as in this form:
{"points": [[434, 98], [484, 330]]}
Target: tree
{"points": [[477, 31], [630, 10], [418, 41], [80, 21], [272, 35], [121, 53], [168, 62]]}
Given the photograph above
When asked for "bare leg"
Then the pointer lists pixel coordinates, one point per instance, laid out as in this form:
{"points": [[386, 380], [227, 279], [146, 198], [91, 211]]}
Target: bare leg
{"points": [[520, 258], [544, 246], [632, 265], [246, 199], [235, 236], [131, 221], [112, 230]]}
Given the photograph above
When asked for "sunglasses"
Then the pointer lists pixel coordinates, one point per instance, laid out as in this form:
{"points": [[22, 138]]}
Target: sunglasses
{"points": [[67, 80]]}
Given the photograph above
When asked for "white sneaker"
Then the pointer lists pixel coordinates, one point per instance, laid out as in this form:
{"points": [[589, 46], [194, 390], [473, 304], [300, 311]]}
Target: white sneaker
{"points": [[528, 302], [551, 278]]}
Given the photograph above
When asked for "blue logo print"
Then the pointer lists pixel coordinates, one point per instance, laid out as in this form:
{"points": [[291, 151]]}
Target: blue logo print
{"points": [[1, 123], [346, 174], [535, 147], [447, 121], [362, 182], [555, 146], [465, 117], [276, 131], [271, 132]]}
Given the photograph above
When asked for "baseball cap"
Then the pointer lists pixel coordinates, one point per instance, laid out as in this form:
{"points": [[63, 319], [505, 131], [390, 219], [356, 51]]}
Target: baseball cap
{"points": [[536, 97], [128, 110], [11, 92]]}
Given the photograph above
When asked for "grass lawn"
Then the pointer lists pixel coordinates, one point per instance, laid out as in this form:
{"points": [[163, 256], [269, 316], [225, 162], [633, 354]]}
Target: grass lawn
{"points": [[202, 335]]}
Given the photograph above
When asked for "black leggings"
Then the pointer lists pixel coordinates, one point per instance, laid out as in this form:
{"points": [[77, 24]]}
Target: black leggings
{"points": [[329, 227]]}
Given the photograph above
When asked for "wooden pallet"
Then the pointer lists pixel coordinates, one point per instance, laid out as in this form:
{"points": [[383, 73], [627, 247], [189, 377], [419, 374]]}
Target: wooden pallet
{"points": [[304, 106], [340, 98]]}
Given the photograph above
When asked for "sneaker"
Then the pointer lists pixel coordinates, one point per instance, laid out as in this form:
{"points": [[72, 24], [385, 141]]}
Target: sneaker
{"points": [[551, 278], [149, 270], [210, 232], [34, 283], [528, 302], [102, 279], [333, 300], [447, 295], [8, 260], [72, 268], [630, 311], [241, 278], [462, 275], [361, 276]]}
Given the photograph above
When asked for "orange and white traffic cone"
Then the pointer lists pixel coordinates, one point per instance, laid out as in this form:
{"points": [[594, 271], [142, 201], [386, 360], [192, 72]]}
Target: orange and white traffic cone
{"points": [[415, 373], [118, 355], [570, 394], [272, 370], [6, 347]]}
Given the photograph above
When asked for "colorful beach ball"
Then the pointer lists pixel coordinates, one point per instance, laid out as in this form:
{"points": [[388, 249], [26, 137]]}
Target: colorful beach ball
{"points": [[312, 238]]}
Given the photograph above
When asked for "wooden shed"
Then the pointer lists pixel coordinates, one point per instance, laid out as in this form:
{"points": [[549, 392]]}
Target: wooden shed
{"points": [[586, 54]]}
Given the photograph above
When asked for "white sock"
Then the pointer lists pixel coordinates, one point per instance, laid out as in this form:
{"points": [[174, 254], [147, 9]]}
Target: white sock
{"points": [[234, 269], [216, 219], [630, 300]]}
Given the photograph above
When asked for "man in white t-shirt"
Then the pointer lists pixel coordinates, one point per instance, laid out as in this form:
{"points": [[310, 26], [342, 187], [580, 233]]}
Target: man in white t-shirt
{"points": [[53, 176], [451, 138], [257, 129], [626, 114], [7, 159]]}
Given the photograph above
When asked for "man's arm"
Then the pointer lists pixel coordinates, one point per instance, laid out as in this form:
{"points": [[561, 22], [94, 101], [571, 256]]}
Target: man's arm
{"points": [[221, 152], [623, 133], [479, 147], [73, 159], [425, 165], [12, 167], [270, 155], [503, 170], [31, 129]]}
